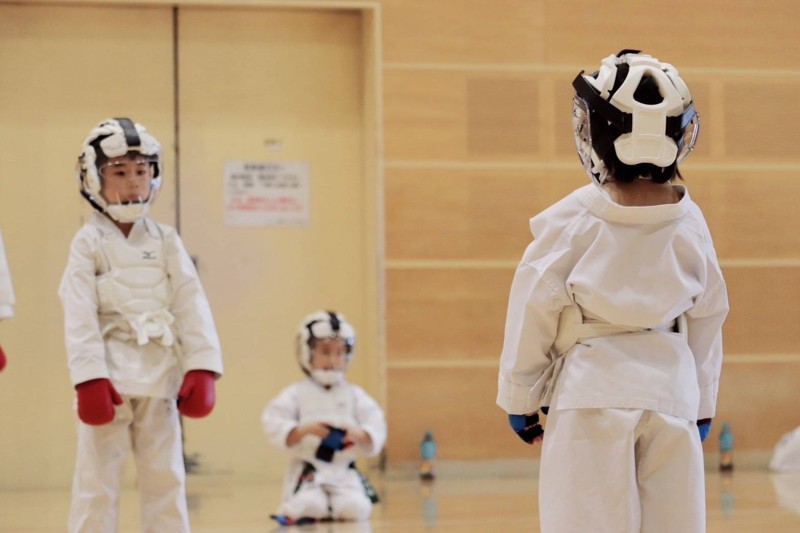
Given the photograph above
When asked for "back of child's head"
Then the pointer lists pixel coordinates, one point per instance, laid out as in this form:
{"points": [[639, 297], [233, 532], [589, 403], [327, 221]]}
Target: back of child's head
{"points": [[634, 118]]}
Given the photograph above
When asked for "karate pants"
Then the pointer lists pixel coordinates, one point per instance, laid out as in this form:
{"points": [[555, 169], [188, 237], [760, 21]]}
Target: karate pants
{"points": [[338, 495], [621, 471], [150, 428]]}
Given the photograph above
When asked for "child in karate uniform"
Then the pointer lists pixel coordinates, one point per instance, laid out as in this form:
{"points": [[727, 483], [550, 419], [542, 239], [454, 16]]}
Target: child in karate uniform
{"points": [[325, 423], [615, 317], [141, 342]]}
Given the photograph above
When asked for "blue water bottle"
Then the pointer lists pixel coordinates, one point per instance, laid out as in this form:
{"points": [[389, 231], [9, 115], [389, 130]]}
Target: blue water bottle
{"points": [[427, 452]]}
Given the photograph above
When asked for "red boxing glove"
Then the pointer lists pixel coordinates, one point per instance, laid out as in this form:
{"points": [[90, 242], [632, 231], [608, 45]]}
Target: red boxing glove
{"points": [[196, 398], [96, 401], [2, 359]]}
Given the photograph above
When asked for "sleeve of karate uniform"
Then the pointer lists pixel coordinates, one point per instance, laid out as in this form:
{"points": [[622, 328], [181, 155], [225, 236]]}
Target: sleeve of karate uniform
{"points": [[194, 323], [6, 290], [704, 324], [369, 416], [78, 293], [535, 302], [280, 416]]}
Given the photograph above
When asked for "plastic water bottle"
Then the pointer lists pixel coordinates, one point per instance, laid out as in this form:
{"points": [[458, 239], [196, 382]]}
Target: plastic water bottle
{"points": [[427, 452], [726, 448]]}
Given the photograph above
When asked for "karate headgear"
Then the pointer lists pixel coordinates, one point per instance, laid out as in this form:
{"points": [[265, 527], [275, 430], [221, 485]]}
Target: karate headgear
{"points": [[322, 325], [606, 112], [116, 137]]}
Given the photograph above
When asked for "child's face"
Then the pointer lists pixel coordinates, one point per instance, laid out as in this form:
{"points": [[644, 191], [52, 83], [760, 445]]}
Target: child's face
{"points": [[329, 354], [126, 180]]}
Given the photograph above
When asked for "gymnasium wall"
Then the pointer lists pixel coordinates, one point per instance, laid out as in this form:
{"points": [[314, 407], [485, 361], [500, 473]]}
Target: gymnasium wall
{"points": [[477, 106]]}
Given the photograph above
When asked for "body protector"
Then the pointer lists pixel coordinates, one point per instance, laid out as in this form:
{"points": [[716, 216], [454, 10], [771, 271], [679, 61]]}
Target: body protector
{"points": [[607, 113], [133, 291], [318, 326], [116, 137]]}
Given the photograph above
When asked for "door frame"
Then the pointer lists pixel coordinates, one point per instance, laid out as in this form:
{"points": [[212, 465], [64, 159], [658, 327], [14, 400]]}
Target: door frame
{"points": [[372, 160]]}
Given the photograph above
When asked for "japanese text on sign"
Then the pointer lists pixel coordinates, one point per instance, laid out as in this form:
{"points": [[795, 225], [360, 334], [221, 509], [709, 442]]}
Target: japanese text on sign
{"points": [[267, 193]]}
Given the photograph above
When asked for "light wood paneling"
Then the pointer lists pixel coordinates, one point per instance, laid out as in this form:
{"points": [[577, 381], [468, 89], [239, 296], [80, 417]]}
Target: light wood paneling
{"points": [[462, 213], [754, 398], [718, 33], [455, 314], [461, 115], [763, 119], [459, 31], [458, 406], [502, 117], [764, 311], [752, 213]]}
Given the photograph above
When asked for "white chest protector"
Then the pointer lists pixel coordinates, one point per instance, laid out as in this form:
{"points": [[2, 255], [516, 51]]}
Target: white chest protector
{"points": [[133, 290], [335, 406]]}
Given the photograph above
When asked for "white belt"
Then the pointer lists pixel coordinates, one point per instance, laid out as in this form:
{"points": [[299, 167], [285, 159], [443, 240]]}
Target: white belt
{"points": [[573, 327], [149, 325]]}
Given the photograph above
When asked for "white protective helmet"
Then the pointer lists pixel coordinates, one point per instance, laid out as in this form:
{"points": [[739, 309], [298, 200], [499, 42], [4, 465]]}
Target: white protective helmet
{"points": [[116, 137], [323, 325], [606, 112]]}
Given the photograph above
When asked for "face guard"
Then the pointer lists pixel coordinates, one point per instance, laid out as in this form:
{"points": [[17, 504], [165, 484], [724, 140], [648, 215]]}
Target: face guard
{"points": [[322, 325], [111, 138], [606, 112]]}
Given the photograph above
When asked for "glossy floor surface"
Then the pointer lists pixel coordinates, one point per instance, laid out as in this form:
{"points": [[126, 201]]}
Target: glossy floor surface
{"points": [[746, 501]]}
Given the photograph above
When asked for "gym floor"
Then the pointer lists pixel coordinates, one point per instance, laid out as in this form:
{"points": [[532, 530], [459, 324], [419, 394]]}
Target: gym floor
{"points": [[460, 500]]}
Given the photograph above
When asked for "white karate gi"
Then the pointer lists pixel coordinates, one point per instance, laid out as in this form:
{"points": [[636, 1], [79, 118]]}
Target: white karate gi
{"points": [[148, 376], [337, 490], [6, 290], [621, 451]]}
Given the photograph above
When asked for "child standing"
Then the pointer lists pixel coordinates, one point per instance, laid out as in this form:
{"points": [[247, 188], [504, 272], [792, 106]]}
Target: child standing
{"points": [[140, 338], [6, 295], [325, 423], [615, 315]]}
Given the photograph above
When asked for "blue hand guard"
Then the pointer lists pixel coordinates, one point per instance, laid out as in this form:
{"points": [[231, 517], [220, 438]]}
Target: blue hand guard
{"points": [[526, 426], [330, 444], [704, 427]]}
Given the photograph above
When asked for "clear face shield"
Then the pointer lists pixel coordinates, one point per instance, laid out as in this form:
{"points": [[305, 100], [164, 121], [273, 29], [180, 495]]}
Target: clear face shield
{"points": [[583, 134], [127, 186], [690, 133]]}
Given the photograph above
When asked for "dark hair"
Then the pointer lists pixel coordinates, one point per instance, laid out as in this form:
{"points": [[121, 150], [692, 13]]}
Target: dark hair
{"points": [[647, 93]]}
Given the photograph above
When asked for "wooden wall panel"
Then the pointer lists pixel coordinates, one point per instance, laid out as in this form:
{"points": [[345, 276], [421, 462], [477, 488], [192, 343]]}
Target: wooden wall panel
{"points": [[458, 406], [502, 117], [452, 314], [462, 213], [461, 115], [762, 119], [760, 401], [764, 311], [478, 138], [752, 213], [718, 33], [463, 31]]}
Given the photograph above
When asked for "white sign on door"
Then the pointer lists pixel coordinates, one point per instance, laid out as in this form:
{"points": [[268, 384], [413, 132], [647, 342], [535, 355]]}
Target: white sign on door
{"points": [[267, 193]]}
